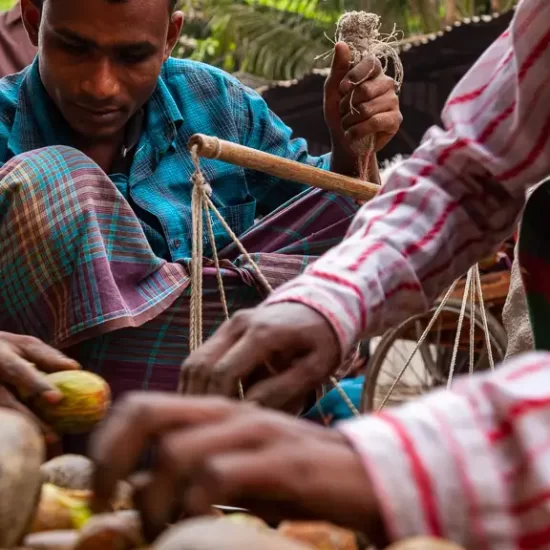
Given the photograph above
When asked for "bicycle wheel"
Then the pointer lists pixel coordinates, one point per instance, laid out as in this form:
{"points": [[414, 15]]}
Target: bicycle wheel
{"points": [[430, 365]]}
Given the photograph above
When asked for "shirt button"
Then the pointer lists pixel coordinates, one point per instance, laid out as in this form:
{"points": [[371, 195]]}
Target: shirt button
{"points": [[176, 243]]}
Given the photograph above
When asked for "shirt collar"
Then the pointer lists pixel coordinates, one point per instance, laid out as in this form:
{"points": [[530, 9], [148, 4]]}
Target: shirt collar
{"points": [[163, 118], [38, 123]]}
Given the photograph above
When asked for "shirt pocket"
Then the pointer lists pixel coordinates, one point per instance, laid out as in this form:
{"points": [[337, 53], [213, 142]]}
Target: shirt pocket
{"points": [[239, 217]]}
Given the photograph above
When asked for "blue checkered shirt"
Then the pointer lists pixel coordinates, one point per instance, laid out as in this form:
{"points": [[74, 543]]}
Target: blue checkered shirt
{"points": [[190, 98]]}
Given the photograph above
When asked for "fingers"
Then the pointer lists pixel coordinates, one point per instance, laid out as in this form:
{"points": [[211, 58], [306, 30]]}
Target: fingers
{"points": [[387, 103], [34, 350], [235, 478], [290, 385], [20, 373], [46, 358], [238, 363], [339, 69], [368, 91], [196, 370], [179, 455], [131, 428], [385, 124], [369, 68]]}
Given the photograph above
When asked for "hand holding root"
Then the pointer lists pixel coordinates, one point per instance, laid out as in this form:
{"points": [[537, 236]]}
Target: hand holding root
{"points": [[361, 103]]}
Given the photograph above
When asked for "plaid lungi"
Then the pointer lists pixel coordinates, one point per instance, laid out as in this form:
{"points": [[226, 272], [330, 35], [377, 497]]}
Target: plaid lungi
{"points": [[77, 271]]}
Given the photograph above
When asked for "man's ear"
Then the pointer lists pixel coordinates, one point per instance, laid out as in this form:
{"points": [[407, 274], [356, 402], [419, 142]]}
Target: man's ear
{"points": [[31, 14], [174, 31]]}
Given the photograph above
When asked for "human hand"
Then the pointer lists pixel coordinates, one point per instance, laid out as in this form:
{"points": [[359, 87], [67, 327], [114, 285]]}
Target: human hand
{"points": [[354, 111], [212, 451], [296, 343], [22, 358]]}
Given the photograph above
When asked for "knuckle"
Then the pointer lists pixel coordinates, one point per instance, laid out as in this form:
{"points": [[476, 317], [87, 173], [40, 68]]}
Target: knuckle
{"points": [[262, 331], [132, 408], [265, 427], [377, 124], [240, 316], [240, 319], [28, 341], [345, 85], [7, 336], [197, 367], [364, 110], [353, 133], [312, 373], [387, 82], [399, 118]]}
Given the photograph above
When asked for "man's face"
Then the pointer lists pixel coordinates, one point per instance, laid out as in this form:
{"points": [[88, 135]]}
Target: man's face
{"points": [[100, 61]]}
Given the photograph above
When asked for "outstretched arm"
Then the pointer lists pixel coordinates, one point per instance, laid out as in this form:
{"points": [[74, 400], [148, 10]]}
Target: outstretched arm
{"points": [[453, 201], [449, 205], [469, 464]]}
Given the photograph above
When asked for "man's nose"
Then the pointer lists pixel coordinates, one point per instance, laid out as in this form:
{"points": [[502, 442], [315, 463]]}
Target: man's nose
{"points": [[102, 82]]}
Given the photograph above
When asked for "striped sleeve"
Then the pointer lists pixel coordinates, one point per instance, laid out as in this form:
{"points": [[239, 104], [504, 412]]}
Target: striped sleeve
{"points": [[453, 202], [469, 465]]}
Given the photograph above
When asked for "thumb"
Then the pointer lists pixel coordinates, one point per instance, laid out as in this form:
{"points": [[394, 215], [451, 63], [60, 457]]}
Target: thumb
{"points": [[340, 67]]}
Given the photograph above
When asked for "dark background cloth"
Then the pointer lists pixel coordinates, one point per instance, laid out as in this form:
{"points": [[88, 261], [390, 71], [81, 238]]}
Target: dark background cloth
{"points": [[16, 50]]}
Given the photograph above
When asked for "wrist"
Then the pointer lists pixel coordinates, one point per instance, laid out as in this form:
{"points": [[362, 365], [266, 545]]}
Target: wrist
{"points": [[364, 515], [345, 162]]}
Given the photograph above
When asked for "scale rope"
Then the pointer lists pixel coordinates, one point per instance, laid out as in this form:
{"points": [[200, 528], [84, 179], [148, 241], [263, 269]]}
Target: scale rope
{"points": [[202, 204], [360, 31], [472, 289]]}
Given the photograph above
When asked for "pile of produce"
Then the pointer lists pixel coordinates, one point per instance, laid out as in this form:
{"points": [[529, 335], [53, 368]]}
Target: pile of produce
{"points": [[62, 520], [46, 505]]}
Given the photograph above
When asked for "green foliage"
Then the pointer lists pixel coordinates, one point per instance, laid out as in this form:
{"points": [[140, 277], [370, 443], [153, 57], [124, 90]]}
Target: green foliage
{"points": [[6, 4], [281, 39]]}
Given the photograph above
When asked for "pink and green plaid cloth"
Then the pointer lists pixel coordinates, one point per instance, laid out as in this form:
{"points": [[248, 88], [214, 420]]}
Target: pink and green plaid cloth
{"points": [[77, 270]]}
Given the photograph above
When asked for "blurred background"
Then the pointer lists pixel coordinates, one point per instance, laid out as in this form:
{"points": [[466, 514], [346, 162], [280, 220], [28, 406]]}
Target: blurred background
{"points": [[279, 39]]}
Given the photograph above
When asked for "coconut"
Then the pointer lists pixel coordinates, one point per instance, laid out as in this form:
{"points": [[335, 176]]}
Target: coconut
{"points": [[69, 472], [21, 453]]}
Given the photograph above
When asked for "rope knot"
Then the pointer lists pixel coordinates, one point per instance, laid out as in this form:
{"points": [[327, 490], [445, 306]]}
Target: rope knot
{"points": [[198, 181], [198, 178]]}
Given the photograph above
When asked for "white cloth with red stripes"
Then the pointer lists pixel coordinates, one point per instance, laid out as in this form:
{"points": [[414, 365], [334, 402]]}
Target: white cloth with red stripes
{"points": [[471, 465], [468, 464]]}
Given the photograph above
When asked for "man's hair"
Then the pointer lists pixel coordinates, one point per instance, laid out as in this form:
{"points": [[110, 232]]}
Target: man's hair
{"points": [[172, 3]]}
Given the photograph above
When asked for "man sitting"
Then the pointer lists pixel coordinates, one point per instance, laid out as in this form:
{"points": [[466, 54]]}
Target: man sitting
{"points": [[95, 192]]}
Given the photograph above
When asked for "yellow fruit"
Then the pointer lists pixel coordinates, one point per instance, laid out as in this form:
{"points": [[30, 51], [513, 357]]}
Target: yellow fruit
{"points": [[86, 400], [61, 509]]}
